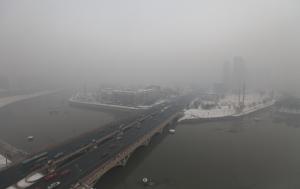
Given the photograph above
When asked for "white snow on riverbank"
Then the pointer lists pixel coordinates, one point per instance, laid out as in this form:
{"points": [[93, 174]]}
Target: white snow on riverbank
{"points": [[223, 111], [225, 107]]}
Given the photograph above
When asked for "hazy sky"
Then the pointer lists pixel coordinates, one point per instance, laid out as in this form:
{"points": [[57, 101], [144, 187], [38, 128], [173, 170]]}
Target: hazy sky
{"points": [[150, 41]]}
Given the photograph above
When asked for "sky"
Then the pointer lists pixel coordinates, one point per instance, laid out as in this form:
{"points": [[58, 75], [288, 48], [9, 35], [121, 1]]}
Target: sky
{"points": [[151, 42]]}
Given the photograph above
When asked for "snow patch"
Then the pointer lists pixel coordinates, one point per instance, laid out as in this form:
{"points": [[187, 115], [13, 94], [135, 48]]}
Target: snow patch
{"points": [[225, 107]]}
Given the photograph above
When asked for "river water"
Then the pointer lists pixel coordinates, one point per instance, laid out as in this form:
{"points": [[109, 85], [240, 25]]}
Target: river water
{"points": [[241, 154], [49, 118]]}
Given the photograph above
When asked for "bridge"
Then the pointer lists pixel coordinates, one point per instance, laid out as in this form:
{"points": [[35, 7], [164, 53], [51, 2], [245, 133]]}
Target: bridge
{"points": [[80, 162]]}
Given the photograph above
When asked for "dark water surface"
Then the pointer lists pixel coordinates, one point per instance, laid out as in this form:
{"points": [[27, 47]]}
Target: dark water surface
{"points": [[243, 154], [49, 119]]}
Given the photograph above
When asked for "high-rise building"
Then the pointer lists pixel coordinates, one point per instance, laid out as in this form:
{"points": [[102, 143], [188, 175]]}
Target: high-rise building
{"points": [[239, 69]]}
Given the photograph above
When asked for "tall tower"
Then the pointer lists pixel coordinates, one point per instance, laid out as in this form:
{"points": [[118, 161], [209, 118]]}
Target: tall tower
{"points": [[227, 76], [239, 78]]}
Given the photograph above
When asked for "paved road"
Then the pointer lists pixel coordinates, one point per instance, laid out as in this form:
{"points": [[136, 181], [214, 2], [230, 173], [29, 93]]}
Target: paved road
{"points": [[86, 162]]}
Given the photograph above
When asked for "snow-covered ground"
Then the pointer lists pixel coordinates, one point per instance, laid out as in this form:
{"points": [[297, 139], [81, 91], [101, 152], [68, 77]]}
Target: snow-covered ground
{"points": [[223, 111], [3, 161], [226, 107]]}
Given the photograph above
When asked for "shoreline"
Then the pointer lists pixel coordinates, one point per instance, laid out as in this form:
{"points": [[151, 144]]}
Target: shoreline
{"points": [[101, 106], [96, 105], [5, 101]]}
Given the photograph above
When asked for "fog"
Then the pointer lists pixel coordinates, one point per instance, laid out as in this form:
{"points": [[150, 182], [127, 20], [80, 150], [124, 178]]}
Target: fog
{"points": [[150, 42]]}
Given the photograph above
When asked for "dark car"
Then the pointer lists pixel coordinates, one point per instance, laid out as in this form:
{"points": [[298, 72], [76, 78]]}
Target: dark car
{"points": [[51, 176], [65, 172]]}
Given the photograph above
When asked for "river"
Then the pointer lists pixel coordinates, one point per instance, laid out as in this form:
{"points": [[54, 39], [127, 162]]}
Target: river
{"points": [[49, 118], [241, 154]]}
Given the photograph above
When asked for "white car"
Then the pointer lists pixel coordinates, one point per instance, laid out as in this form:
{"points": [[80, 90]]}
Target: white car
{"points": [[53, 185]]}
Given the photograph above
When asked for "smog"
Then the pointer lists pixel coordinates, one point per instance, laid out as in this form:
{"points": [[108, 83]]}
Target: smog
{"points": [[149, 94]]}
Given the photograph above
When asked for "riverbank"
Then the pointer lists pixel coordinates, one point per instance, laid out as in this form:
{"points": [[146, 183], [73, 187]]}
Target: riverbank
{"points": [[95, 105], [4, 101], [77, 101]]}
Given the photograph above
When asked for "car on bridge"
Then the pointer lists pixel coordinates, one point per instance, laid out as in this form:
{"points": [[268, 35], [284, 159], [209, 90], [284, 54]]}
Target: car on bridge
{"points": [[58, 155], [51, 176], [53, 185]]}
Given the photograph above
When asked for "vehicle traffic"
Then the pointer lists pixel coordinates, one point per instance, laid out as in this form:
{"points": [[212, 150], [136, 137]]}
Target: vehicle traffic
{"points": [[53, 185]]}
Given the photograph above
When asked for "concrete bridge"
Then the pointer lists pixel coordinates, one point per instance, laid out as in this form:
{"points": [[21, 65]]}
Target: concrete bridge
{"points": [[122, 157]]}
